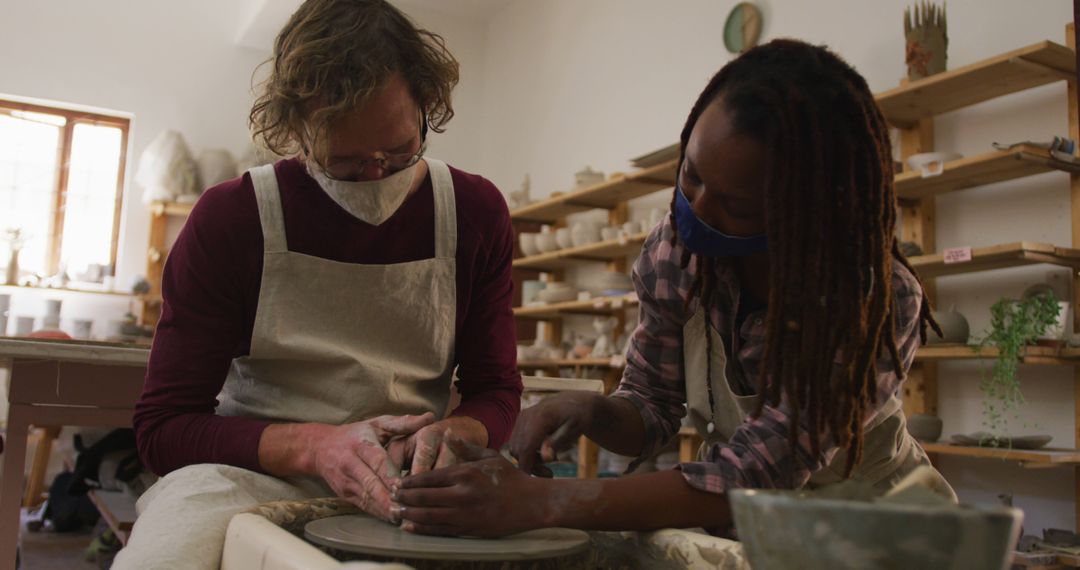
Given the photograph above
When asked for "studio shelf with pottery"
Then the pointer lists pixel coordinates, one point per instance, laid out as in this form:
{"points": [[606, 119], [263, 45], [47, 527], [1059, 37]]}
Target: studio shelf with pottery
{"points": [[604, 251], [911, 108], [980, 170], [594, 306], [156, 252], [970, 260], [1018, 70], [1026, 457], [603, 195]]}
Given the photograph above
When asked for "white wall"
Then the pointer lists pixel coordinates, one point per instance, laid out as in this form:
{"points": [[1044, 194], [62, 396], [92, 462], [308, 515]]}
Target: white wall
{"points": [[176, 65], [570, 83]]}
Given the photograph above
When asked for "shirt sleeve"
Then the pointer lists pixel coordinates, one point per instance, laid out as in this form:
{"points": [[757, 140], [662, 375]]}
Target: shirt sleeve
{"points": [[488, 379], [760, 454], [653, 378], [205, 309]]}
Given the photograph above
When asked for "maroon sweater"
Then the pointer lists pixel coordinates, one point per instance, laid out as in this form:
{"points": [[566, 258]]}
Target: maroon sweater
{"points": [[211, 291]]}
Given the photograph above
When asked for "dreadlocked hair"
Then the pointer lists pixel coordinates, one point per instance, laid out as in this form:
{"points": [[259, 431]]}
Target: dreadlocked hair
{"points": [[830, 216]]}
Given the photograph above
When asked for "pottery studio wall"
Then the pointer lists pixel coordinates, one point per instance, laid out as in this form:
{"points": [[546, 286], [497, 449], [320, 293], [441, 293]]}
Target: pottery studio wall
{"points": [[173, 65], [571, 83]]}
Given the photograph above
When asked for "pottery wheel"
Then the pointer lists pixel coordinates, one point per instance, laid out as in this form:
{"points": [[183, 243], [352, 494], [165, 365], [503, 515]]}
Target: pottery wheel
{"points": [[368, 535]]}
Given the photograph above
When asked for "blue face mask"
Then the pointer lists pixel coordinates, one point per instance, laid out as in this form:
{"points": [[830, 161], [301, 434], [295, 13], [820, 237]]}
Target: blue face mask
{"points": [[703, 239]]}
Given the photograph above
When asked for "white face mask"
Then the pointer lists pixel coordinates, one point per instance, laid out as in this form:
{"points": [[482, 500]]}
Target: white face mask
{"points": [[372, 201]]}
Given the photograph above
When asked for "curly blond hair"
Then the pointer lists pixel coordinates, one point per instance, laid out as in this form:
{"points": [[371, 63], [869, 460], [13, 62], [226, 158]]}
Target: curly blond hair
{"points": [[331, 56]]}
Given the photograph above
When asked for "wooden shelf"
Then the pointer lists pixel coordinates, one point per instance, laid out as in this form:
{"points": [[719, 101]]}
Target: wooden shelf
{"points": [[15, 289], [594, 306], [1031, 66], [1032, 355], [606, 195], [1026, 457], [998, 257], [988, 168], [176, 209], [545, 384], [614, 362], [611, 250]]}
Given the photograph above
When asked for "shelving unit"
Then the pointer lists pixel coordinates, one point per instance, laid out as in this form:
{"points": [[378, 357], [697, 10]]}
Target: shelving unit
{"points": [[998, 257], [18, 289], [156, 252], [594, 306], [1034, 458], [607, 251], [607, 195], [980, 170], [911, 108]]}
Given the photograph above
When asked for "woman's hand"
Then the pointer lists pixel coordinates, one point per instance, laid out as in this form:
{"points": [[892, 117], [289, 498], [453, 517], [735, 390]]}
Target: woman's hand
{"points": [[551, 426], [353, 461], [486, 496]]}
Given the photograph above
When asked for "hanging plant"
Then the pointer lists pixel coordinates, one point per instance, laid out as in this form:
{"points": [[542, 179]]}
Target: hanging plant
{"points": [[1014, 325]]}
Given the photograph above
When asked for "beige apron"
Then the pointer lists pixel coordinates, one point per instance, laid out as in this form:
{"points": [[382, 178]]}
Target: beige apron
{"points": [[333, 343], [889, 452], [342, 342]]}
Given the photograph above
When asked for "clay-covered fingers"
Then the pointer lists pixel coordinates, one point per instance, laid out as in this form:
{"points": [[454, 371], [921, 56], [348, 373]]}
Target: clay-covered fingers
{"points": [[365, 490], [533, 429], [428, 443], [390, 426], [466, 451]]}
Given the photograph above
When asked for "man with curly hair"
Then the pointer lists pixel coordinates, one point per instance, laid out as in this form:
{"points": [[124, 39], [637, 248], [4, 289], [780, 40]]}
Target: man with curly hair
{"points": [[316, 310]]}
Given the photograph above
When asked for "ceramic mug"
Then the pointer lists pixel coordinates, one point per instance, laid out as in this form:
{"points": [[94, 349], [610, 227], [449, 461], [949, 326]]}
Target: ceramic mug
{"points": [[52, 307], [562, 238], [530, 289], [24, 326], [82, 328], [546, 243], [528, 244]]}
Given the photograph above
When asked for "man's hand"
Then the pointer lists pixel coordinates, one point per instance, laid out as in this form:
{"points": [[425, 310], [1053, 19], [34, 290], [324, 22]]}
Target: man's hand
{"points": [[428, 448], [354, 462]]}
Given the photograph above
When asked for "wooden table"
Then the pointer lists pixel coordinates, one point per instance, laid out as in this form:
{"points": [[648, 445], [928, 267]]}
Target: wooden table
{"points": [[58, 383]]}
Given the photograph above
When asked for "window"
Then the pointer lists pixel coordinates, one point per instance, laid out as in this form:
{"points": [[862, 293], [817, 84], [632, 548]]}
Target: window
{"points": [[61, 181]]}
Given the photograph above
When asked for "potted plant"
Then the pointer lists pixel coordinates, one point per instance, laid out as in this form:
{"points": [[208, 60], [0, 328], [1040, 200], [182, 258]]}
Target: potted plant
{"points": [[1015, 324]]}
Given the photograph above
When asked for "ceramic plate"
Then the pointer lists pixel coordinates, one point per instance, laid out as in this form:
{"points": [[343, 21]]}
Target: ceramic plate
{"points": [[368, 535]]}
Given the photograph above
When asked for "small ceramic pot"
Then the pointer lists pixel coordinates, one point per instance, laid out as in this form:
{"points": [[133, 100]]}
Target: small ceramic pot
{"points": [[546, 243], [924, 427], [82, 328], [632, 228], [528, 244], [584, 233], [530, 289], [609, 234], [954, 328], [562, 238], [24, 326], [587, 177]]}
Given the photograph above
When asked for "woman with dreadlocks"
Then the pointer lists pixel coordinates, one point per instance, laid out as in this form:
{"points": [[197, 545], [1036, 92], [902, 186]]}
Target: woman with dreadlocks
{"points": [[776, 311]]}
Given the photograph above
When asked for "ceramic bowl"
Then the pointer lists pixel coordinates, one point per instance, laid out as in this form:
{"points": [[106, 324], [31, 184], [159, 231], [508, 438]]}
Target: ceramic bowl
{"points": [[562, 238], [932, 162], [924, 427], [609, 234], [587, 177], [558, 294], [585, 233], [788, 529], [954, 328], [528, 243], [613, 280], [546, 243]]}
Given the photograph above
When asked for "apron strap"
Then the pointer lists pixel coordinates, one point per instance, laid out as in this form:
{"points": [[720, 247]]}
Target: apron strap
{"points": [[445, 209], [264, 178]]}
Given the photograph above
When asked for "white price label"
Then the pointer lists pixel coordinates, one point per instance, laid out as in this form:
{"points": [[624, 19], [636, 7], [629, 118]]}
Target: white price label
{"points": [[957, 255]]}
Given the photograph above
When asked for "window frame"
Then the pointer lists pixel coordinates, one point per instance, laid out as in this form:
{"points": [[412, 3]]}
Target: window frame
{"points": [[59, 206]]}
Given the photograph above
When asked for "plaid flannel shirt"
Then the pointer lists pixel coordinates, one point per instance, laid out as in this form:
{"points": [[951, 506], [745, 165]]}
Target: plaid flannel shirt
{"points": [[759, 454]]}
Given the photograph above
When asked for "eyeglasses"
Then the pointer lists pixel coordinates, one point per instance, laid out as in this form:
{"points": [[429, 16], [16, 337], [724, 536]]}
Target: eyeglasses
{"points": [[391, 163]]}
